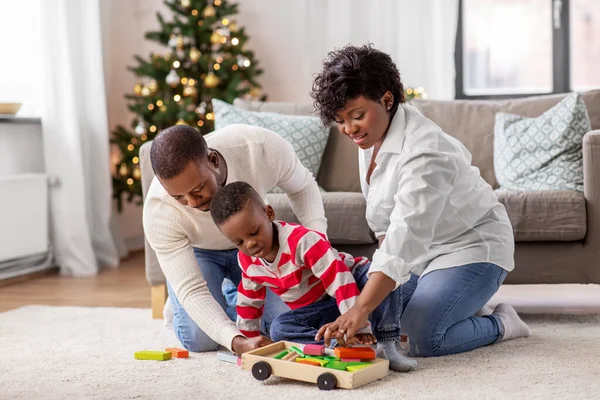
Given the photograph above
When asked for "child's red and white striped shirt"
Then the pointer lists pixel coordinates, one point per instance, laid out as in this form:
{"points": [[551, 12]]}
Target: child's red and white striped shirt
{"points": [[305, 270]]}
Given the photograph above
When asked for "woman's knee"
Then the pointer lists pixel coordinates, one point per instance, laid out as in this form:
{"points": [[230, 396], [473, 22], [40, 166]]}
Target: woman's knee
{"points": [[423, 335]]}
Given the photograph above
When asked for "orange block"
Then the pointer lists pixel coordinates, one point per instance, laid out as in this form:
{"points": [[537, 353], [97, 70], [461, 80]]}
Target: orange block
{"points": [[363, 353], [178, 353], [309, 362]]}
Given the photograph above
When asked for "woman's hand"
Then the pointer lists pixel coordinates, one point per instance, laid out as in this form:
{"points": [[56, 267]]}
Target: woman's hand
{"points": [[347, 324], [242, 344]]}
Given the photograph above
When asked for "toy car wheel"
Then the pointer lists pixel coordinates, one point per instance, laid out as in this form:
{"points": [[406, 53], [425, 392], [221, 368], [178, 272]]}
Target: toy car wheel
{"points": [[261, 370], [326, 381]]}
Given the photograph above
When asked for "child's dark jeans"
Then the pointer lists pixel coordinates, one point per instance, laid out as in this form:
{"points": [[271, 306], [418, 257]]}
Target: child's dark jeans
{"points": [[301, 325]]}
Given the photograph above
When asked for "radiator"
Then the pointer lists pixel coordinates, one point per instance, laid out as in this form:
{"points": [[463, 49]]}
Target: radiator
{"points": [[23, 223]]}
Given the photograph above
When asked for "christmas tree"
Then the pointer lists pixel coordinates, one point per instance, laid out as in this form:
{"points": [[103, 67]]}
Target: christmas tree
{"points": [[204, 59]]}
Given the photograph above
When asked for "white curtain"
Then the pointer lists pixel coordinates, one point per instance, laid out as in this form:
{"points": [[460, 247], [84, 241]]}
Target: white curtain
{"points": [[76, 136], [292, 37]]}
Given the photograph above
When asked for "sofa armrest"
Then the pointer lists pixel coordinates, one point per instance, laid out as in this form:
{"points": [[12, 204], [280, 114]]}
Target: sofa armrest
{"points": [[154, 274], [591, 186]]}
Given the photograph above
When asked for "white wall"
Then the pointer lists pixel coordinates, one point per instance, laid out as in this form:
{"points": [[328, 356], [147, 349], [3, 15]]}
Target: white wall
{"points": [[290, 38]]}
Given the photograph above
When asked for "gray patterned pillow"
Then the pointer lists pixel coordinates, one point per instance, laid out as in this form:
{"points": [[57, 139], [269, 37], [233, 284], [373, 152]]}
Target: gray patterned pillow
{"points": [[543, 153], [306, 133]]}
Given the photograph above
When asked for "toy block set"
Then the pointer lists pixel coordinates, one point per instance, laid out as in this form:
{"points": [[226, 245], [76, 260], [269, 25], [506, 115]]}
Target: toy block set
{"points": [[344, 367], [170, 352]]}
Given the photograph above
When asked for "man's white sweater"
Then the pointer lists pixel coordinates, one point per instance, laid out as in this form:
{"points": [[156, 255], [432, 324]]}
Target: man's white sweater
{"points": [[254, 155]]}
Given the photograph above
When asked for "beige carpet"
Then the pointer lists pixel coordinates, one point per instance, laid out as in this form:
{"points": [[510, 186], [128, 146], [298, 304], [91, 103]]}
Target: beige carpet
{"points": [[87, 353]]}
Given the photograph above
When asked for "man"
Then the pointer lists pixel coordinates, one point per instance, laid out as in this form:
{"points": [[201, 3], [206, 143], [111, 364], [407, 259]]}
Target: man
{"points": [[194, 256]]}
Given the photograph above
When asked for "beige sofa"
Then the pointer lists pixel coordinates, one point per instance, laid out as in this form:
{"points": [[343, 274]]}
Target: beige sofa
{"points": [[557, 233]]}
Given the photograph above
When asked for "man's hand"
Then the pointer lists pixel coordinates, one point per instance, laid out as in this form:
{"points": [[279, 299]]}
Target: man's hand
{"points": [[347, 324], [242, 344]]}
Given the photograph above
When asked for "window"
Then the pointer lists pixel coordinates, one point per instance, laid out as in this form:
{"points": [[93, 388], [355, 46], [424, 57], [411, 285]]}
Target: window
{"points": [[20, 45], [511, 48]]}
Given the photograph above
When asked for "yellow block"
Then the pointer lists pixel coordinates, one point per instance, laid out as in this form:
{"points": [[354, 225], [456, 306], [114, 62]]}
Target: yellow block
{"points": [[153, 355], [356, 368]]}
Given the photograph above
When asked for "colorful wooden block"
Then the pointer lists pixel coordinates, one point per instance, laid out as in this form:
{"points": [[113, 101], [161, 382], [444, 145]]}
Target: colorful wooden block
{"points": [[152, 355], [308, 361], [316, 361], [356, 368], [227, 357], [178, 353], [314, 349], [281, 355], [337, 365], [349, 360], [297, 350], [363, 353], [239, 361], [353, 364], [331, 358], [291, 356]]}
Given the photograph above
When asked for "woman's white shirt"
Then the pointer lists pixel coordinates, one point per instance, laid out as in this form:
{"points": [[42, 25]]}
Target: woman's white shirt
{"points": [[433, 207]]}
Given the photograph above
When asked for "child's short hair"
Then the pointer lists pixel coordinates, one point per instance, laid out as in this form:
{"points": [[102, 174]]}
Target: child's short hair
{"points": [[351, 72], [231, 199]]}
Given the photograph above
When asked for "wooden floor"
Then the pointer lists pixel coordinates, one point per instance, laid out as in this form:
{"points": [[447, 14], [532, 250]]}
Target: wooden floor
{"points": [[124, 286]]}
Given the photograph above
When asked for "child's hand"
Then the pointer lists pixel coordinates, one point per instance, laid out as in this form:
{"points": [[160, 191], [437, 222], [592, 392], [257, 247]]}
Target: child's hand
{"points": [[347, 324]]}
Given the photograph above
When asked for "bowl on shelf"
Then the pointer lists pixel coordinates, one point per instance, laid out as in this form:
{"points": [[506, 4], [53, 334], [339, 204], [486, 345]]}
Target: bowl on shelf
{"points": [[9, 108]]}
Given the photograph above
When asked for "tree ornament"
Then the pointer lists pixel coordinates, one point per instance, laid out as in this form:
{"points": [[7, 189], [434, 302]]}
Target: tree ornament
{"points": [[140, 128], [195, 54], [211, 81], [173, 78], [137, 89], [145, 91], [190, 91], [152, 86], [185, 3], [209, 11]]}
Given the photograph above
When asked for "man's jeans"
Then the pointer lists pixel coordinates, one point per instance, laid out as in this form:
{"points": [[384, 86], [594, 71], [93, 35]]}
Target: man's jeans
{"points": [[301, 325], [222, 274]]}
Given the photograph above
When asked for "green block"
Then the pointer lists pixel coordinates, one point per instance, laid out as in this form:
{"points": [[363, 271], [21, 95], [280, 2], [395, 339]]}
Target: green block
{"points": [[316, 357], [297, 350], [356, 368], [358, 363], [152, 355], [331, 358], [281, 355], [339, 365]]}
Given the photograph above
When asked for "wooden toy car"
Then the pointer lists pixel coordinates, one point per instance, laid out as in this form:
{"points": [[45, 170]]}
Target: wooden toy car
{"points": [[263, 364]]}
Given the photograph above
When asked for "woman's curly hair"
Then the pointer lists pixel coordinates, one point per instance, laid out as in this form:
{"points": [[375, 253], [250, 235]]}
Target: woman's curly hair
{"points": [[351, 72]]}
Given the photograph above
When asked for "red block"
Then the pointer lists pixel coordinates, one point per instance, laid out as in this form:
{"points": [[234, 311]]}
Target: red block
{"points": [[363, 353], [178, 353], [314, 349]]}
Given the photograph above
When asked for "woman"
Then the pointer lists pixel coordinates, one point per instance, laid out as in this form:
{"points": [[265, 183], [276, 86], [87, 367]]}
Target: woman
{"points": [[444, 239]]}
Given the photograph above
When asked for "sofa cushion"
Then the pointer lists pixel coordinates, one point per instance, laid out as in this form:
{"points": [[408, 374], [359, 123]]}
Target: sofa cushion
{"points": [[345, 214], [307, 134], [339, 167], [472, 121], [543, 153], [546, 215]]}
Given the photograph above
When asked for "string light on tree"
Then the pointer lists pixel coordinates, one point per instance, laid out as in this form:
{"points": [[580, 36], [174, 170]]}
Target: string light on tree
{"points": [[185, 3], [137, 89]]}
